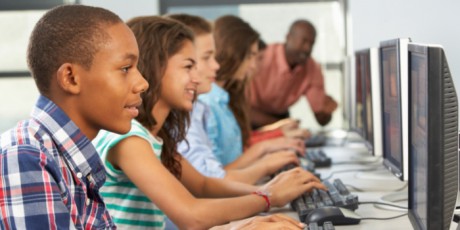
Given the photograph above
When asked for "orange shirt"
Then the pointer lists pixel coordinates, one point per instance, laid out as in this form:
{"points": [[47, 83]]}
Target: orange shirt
{"points": [[275, 87], [258, 136]]}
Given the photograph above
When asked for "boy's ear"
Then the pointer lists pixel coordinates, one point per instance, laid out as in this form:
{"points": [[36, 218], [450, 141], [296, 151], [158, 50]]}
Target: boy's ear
{"points": [[67, 78]]}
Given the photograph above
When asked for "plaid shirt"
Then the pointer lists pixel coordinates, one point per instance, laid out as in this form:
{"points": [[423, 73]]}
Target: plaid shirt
{"points": [[50, 175]]}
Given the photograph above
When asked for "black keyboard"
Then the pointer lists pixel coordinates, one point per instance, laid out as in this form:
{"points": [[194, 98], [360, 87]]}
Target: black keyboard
{"points": [[314, 226], [304, 163], [307, 164], [316, 140], [318, 157], [337, 195]]}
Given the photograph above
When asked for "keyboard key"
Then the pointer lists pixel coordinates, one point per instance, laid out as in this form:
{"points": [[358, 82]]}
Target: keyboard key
{"points": [[318, 157], [337, 195], [343, 190], [328, 226], [313, 226], [316, 141]]}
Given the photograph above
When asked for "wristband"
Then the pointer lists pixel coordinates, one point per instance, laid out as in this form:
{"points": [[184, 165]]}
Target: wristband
{"points": [[264, 195]]}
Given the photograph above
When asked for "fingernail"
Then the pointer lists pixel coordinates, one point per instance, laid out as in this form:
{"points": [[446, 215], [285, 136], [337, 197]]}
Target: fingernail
{"points": [[302, 225]]}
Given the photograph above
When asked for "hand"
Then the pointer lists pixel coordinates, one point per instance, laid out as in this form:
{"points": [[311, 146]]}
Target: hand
{"points": [[276, 221], [281, 143], [287, 123], [273, 162], [289, 185], [329, 105], [297, 133]]}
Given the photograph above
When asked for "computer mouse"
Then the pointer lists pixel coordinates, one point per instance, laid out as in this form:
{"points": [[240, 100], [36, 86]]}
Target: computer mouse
{"points": [[336, 215]]}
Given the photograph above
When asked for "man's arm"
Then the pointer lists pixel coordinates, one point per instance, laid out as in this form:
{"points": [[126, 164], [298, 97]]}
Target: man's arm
{"points": [[325, 116], [259, 118]]}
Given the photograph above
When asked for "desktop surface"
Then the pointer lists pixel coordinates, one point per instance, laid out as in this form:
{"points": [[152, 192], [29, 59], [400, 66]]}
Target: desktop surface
{"points": [[372, 190]]}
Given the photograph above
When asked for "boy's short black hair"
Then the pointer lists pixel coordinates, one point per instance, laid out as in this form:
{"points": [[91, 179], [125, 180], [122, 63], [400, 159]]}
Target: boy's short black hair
{"points": [[66, 34]]}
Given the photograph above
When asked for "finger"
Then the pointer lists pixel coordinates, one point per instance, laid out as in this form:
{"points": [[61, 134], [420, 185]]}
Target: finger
{"points": [[288, 219], [304, 176], [314, 184], [290, 158]]}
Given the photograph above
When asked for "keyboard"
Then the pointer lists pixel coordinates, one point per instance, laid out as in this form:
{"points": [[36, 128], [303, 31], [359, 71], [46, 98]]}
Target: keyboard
{"points": [[337, 195], [309, 166], [318, 157], [326, 226], [316, 140]]}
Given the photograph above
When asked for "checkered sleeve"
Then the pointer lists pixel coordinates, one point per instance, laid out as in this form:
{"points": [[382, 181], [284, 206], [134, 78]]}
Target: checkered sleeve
{"points": [[30, 196]]}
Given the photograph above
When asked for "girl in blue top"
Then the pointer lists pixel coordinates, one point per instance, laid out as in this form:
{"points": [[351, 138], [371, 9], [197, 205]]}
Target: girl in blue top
{"points": [[197, 148], [167, 62], [228, 126]]}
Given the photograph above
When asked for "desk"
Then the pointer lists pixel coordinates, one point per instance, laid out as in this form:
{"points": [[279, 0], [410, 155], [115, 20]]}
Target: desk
{"points": [[372, 185]]}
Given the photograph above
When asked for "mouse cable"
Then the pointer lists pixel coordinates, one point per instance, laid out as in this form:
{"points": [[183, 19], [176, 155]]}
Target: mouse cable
{"points": [[345, 139], [354, 188], [364, 190], [381, 203], [383, 218], [347, 170], [377, 160]]}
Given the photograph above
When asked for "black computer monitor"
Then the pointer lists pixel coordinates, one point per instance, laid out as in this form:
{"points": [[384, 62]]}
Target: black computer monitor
{"points": [[361, 68], [433, 168], [394, 92], [347, 103], [367, 73]]}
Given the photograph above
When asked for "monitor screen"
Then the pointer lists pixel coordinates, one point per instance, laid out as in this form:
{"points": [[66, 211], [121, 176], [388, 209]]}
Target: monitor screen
{"points": [[367, 102], [364, 96], [394, 91], [361, 67], [433, 128], [347, 90], [367, 72]]}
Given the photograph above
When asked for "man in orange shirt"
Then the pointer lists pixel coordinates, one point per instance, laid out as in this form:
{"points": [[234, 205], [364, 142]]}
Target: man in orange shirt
{"points": [[286, 73]]}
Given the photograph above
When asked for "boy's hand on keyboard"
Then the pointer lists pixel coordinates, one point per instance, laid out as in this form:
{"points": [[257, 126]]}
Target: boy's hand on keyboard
{"points": [[275, 161], [290, 184]]}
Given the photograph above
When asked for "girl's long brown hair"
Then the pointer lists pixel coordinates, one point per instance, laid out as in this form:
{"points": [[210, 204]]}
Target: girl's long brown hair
{"points": [[158, 39], [234, 38]]}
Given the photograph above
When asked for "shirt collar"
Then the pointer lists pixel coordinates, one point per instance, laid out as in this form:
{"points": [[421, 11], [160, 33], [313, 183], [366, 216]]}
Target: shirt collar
{"points": [[218, 93], [281, 59], [77, 150]]}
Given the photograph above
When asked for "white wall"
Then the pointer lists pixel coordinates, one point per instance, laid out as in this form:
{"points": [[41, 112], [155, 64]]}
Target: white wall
{"points": [[424, 21], [372, 21], [272, 21], [18, 95], [125, 9]]}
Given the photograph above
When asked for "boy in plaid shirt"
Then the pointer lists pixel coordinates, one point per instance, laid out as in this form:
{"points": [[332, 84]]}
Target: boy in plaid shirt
{"points": [[84, 62]]}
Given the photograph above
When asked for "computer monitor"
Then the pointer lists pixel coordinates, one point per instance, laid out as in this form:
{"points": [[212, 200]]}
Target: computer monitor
{"points": [[433, 168], [394, 91], [367, 73], [347, 98], [361, 67]]}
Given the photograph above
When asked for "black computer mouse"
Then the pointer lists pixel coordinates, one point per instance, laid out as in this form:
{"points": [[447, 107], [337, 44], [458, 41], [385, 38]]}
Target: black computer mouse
{"points": [[336, 215]]}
